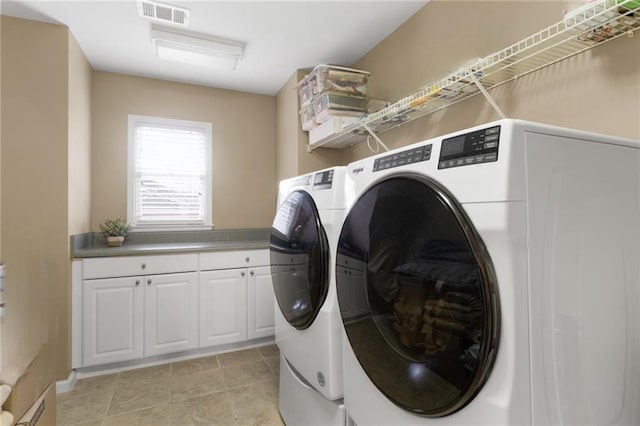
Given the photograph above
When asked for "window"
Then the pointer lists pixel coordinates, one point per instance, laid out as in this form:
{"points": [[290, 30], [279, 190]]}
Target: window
{"points": [[169, 182]]}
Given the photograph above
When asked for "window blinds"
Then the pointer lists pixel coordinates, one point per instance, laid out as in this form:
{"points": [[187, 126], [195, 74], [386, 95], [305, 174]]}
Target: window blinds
{"points": [[170, 174]]}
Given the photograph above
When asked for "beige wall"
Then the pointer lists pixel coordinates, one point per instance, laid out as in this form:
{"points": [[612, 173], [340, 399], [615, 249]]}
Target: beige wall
{"points": [[598, 90], [292, 156], [244, 147], [34, 201], [79, 140], [78, 185], [1, 259], [288, 130]]}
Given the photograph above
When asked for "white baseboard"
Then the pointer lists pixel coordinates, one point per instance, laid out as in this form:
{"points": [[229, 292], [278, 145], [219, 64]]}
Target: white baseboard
{"points": [[67, 385]]}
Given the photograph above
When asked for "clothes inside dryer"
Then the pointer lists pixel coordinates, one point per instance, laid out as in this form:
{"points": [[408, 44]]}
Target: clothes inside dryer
{"points": [[428, 335]]}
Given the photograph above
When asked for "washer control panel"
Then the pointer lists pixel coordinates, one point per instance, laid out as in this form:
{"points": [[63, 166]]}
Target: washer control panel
{"points": [[476, 147], [413, 155], [302, 181], [323, 180]]}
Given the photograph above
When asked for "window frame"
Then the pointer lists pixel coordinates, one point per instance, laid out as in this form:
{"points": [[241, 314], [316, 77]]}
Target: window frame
{"points": [[207, 128]]}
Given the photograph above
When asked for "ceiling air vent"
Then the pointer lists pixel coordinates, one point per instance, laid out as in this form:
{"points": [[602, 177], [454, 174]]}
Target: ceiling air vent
{"points": [[164, 13]]}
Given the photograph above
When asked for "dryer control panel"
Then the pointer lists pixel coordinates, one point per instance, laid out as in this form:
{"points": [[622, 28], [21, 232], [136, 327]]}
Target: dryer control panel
{"points": [[302, 181], [413, 155], [476, 147], [323, 180]]}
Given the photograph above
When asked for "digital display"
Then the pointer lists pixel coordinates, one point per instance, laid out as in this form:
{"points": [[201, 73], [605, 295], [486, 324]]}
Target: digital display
{"points": [[477, 147], [323, 180], [452, 146]]}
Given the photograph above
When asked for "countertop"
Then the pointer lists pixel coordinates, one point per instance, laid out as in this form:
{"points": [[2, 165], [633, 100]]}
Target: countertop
{"points": [[141, 243]]}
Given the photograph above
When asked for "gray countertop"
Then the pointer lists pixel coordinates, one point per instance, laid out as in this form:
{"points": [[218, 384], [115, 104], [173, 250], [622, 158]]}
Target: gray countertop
{"points": [[141, 243]]}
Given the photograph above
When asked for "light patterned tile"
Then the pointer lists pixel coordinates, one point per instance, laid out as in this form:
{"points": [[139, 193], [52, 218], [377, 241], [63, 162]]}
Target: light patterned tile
{"points": [[212, 409], [97, 384], [133, 396], [256, 404], [246, 374], [201, 383], [82, 408], [147, 374], [156, 416], [93, 423], [269, 351], [274, 365], [194, 365], [239, 357]]}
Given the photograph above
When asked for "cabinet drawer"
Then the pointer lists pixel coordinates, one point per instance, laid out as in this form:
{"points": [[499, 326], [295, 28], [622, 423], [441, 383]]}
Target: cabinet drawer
{"points": [[233, 259], [106, 267]]}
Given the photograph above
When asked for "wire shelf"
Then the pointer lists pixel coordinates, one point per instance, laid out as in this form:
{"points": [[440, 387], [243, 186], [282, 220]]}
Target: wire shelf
{"points": [[589, 26]]}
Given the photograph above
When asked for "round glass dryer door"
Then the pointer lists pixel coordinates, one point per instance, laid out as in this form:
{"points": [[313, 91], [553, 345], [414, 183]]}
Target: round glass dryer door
{"points": [[417, 295], [299, 260]]}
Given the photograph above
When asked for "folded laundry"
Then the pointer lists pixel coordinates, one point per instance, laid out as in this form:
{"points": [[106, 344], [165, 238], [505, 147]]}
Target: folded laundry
{"points": [[451, 311], [435, 340], [453, 314], [469, 300], [408, 323], [452, 275], [444, 304], [446, 325], [445, 250], [470, 356]]}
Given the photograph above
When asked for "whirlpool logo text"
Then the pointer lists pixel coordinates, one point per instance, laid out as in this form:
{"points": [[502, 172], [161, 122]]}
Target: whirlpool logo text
{"points": [[358, 170]]}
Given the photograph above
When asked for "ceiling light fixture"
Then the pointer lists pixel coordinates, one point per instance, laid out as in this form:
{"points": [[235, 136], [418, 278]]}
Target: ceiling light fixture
{"points": [[196, 49]]}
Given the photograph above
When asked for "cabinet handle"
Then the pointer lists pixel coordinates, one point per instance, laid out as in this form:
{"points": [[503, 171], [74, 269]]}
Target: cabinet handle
{"points": [[242, 274], [137, 283], [251, 273], [149, 281], [246, 258], [144, 266]]}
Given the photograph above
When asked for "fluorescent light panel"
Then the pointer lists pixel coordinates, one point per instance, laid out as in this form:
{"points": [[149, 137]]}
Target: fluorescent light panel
{"points": [[196, 49]]}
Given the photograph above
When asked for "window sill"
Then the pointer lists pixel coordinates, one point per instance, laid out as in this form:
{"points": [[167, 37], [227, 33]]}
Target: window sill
{"points": [[170, 228]]}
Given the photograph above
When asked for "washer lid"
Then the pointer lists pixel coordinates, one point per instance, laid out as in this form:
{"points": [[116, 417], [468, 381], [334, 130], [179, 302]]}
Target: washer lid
{"points": [[421, 314], [299, 259]]}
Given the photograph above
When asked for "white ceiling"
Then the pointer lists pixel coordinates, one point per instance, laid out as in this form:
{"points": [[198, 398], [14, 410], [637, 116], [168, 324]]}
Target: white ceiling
{"points": [[280, 36]]}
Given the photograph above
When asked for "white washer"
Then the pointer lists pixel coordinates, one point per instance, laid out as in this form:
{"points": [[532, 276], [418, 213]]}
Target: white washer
{"points": [[311, 209], [499, 281]]}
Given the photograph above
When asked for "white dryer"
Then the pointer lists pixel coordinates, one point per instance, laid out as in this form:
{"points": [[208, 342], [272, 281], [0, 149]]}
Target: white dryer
{"points": [[304, 235], [499, 282]]}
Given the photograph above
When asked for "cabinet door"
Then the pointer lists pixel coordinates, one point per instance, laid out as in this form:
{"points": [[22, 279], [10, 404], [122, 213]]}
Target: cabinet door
{"points": [[112, 320], [223, 306], [170, 313], [261, 303]]}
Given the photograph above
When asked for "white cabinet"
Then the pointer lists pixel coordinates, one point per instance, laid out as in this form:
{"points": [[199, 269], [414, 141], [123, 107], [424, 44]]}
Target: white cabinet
{"points": [[140, 306], [130, 317], [236, 296], [260, 303], [223, 307], [112, 320], [170, 313]]}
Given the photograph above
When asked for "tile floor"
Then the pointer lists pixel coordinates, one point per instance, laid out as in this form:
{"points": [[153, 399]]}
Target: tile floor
{"points": [[236, 388]]}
